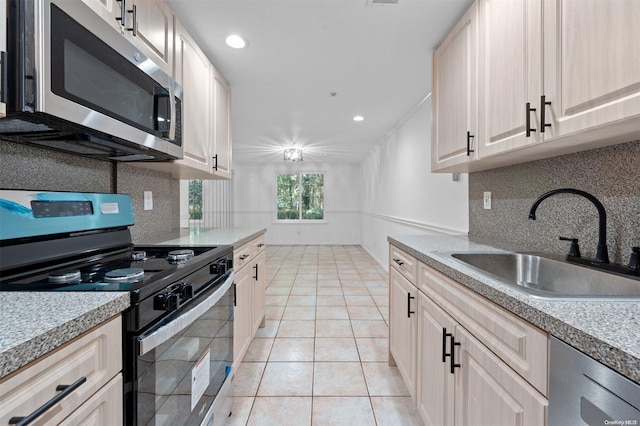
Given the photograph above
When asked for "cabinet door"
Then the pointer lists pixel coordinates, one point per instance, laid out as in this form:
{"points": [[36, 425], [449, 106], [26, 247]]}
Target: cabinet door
{"points": [[510, 71], [402, 327], [592, 64], [193, 73], [103, 408], [454, 94], [242, 315], [488, 392], [435, 383], [221, 127], [153, 32], [258, 278], [109, 10]]}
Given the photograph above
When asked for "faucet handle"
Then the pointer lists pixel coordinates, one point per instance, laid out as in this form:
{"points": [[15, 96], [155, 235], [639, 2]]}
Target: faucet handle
{"points": [[574, 251], [634, 262]]}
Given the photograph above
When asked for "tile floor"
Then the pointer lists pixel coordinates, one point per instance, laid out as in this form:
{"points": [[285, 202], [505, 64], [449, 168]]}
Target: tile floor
{"points": [[322, 357]]}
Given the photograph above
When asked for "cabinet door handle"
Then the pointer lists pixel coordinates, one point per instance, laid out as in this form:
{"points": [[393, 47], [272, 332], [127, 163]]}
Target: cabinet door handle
{"points": [[409, 311], [234, 295], [528, 119], [134, 27], [543, 107], [452, 349], [444, 344], [123, 13], [399, 262], [260, 245], [469, 137], [256, 268], [65, 390], [215, 162], [244, 256]]}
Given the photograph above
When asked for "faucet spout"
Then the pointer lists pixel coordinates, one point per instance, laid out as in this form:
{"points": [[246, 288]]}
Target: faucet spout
{"points": [[602, 254]]}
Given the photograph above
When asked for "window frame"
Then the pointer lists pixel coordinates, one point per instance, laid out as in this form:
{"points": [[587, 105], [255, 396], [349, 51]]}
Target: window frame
{"points": [[299, 221]]}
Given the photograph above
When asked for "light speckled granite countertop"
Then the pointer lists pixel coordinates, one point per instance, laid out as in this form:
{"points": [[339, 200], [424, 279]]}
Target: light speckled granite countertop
{"points": [[607, 331], [34, 323], [211, 236]]}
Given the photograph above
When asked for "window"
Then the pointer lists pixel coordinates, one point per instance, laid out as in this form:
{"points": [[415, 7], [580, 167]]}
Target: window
{"points": [[195, 200], [300, 196]]}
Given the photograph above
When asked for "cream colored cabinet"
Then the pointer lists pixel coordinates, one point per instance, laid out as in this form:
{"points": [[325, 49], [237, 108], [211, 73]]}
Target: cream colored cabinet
{"points": [[250, 268], [464, 359], [109, 10], [150, 24], [87, 369], [221, 130], [454, 95], [403, 327], [510, 70], [592, 67]]}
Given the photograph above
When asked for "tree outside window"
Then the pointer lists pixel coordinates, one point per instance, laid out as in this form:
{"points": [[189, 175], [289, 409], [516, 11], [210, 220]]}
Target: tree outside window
{"points": [[195, 200], [300, 196]]}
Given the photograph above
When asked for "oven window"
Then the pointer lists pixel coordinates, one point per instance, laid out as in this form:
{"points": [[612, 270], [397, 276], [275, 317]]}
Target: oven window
{"points": [[178, 380], [87, 71]]}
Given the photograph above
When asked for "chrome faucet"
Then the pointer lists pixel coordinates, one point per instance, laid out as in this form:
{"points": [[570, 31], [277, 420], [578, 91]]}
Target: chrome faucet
{"points": [[602, 255]]}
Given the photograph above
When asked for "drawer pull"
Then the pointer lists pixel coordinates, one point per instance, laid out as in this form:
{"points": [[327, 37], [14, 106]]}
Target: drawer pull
{"points": [[399, 262], [64, 390], [260, 245], [244, 256]]}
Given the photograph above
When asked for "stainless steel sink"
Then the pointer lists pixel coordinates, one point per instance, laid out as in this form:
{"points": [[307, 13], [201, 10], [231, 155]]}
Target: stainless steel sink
{"points": [[550, 278]]}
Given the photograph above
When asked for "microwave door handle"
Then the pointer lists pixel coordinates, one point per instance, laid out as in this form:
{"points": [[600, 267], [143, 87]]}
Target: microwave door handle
{"points": [[158, 93], [172, 106], [158, 336]]}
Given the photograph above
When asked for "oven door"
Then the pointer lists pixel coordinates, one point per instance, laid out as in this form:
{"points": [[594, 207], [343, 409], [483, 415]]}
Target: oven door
{"points": [[184, 367]]}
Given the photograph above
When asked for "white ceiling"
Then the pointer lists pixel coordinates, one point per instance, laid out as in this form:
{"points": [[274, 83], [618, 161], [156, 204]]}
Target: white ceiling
{"points": [[377, 58]]}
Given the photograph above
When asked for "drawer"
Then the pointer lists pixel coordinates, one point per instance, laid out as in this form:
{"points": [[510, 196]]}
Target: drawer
{"points": [[242, 256], [96, 355], [520, 344], [103, 408], [258, 245], [406, 264]]}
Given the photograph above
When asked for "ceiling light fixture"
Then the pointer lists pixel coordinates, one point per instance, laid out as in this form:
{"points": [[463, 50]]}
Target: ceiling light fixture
{"points": [[293, 154], [235, 41], [358, 118]]}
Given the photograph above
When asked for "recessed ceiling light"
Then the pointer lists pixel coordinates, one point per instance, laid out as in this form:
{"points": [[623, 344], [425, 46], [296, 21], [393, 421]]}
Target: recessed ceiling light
{"points": [[358, 118], [235, 41]]}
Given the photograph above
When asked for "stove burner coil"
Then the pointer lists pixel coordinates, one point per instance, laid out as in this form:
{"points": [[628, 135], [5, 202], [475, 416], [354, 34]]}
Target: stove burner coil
{"points": [[124, 275], [139, 255], [65, 277], [179, 255]]}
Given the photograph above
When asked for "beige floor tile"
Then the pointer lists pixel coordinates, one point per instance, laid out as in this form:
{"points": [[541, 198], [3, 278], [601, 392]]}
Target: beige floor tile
{"points": [[333, 328], [281, 411], [364, 313], [359, 300], [332, 312], [336, 349], [297, 328], [240, 411], [329, 291], [287, 379], [394, 411], [347, 411], [277, 291], [382, 300], [330, 301], [299, 313], [303, 291], [270, 329], [259, 349], [329, 282], [385, 314], [382, 290], [302, 301], [373, 349], [338, 379], [366, 328], [276, 300], [348, 283], [248, 378], [292, 349], [383, 380], [273, 313], [355, 291]]}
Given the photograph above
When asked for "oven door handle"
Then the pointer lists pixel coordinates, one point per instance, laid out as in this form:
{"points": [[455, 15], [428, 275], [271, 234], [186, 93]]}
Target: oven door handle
{"points": [[156, 337]]}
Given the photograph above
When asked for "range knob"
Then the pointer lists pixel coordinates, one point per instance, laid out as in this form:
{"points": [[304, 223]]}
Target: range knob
{"points": [[219, 267], [166, 302]]}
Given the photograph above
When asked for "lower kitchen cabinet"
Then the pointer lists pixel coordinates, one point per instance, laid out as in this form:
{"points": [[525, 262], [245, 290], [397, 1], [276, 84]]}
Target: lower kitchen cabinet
{"points": [[88, 369], [465, 360], [249, 262]]}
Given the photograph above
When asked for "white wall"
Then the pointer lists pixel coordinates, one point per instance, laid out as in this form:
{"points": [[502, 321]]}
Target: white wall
{"points": [[254, 202], [401, 195]]}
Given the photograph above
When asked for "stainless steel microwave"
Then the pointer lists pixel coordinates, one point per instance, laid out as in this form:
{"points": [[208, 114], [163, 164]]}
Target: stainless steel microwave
{"points": [[73, 83]]}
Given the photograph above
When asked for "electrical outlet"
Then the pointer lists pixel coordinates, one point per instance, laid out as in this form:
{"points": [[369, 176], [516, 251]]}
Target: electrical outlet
{"points": [[487, 200], [148, 200]]}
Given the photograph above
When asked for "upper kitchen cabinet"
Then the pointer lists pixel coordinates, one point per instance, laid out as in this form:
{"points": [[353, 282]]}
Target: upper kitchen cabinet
{"points": [[150, 22], [454, 94], [592, 67], [109, 10], [221, 126]]}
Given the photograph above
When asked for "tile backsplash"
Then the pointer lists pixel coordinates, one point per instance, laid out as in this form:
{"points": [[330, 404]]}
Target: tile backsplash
{"points": [[611, 174], [28, 167]]}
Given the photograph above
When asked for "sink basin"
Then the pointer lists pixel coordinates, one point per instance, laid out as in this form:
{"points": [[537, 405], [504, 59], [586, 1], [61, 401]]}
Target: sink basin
{"points": [[551, 278]]}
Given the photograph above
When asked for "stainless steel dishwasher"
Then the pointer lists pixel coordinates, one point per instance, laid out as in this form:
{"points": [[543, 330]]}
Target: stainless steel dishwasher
{"points": [[584, 392]]}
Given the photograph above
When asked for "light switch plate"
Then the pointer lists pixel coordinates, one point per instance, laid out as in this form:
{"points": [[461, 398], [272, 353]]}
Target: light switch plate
{"points": [[148, 200], [487, 200]]}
